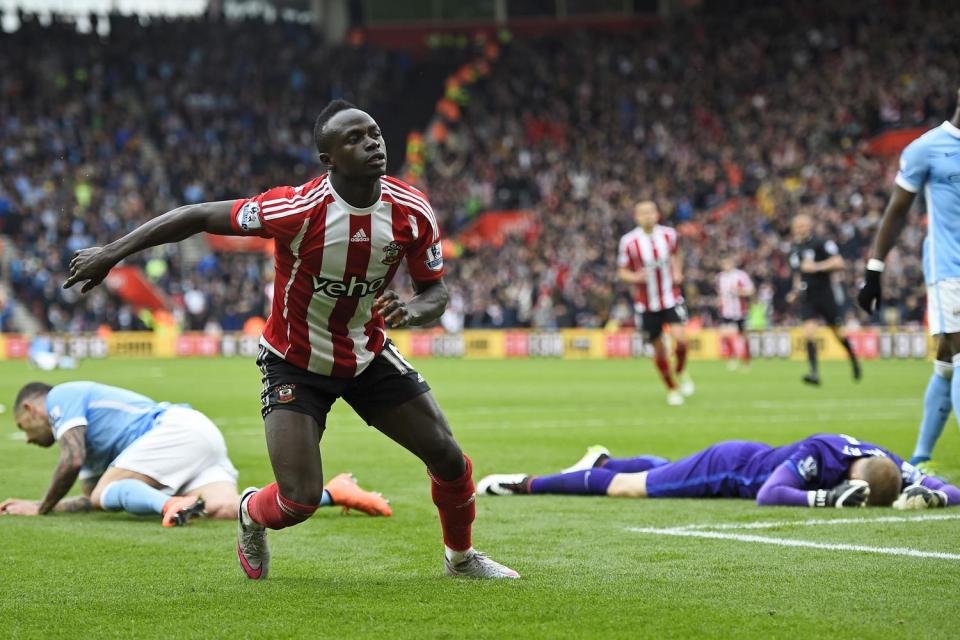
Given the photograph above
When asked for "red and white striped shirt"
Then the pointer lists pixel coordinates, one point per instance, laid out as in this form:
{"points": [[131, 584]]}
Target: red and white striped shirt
{"points": [[733, 304], [651, 253], [331, 262]]}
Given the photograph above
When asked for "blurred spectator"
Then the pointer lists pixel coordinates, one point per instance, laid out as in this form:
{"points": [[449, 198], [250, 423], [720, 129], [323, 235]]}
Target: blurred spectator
{"points": [[6, 310]]}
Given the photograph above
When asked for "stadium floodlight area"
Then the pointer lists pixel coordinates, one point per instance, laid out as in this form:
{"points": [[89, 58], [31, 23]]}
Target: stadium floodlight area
{"points": [[80, 11], [102, 7]]}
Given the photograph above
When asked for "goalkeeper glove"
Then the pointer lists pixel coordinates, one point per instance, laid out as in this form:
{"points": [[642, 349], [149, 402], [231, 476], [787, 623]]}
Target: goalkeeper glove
{"points": [[853, 493], [871, 292], [917, 496]]}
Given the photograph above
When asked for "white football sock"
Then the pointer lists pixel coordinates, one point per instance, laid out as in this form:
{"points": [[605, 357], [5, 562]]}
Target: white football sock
{"points": [[456, 557], [245, 515]]}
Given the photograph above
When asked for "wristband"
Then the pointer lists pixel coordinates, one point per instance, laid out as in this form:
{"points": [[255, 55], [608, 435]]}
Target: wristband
{"points": [[875, 265], [817, 498]]}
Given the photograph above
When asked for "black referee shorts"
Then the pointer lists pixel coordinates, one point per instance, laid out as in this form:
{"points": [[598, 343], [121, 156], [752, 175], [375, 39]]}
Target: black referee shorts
{"points": [[821, 304], [388, 381]]}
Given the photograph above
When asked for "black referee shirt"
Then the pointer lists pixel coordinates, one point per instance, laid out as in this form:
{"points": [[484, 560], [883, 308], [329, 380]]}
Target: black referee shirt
{"points": [[818, 250]]}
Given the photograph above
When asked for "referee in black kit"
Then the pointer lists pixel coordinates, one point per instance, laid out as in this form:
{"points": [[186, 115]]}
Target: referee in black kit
{"points": [[813, 260]]}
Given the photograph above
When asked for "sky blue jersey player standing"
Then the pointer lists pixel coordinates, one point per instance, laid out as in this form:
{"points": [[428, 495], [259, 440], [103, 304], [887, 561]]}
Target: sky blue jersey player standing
{"points": [[823, 470], [931, 165]]}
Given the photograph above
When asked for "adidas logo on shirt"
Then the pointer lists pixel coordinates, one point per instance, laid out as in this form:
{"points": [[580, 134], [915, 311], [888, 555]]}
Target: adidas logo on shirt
{"points": [[360, 236]]}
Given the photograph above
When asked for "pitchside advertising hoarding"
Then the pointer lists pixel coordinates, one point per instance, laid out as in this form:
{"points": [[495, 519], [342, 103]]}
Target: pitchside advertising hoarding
{"points": [[569, 344]]}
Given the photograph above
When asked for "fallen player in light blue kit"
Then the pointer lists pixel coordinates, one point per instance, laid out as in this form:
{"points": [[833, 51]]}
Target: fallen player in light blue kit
{"points": [[136, 455]]}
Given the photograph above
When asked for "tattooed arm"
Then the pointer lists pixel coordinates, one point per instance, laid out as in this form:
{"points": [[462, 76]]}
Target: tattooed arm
{"points": [[79, 503], [73, 451], [18, 507]]}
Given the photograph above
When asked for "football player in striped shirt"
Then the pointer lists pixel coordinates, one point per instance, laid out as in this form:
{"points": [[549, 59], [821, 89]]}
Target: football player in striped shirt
{"points": [[649, 259], [340, 238], [734, 288]]}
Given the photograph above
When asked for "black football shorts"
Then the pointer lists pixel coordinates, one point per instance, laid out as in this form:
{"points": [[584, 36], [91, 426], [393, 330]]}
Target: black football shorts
{"points": [[820, 304], [652, 321], [388, 381]]}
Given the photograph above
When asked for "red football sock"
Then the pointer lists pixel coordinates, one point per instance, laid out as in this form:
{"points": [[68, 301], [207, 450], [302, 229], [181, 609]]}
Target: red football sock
{"points": [[681, 356], [456, 502], [270, 509], [727, 348], [663, 365], [745, 346]]}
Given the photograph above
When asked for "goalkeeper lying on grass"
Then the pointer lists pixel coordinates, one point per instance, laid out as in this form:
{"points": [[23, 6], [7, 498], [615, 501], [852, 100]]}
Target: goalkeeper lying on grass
{"points": [[824, 470]]}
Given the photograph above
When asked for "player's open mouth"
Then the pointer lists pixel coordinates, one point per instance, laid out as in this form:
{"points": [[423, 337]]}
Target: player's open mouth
{"points": [[377, 158]]}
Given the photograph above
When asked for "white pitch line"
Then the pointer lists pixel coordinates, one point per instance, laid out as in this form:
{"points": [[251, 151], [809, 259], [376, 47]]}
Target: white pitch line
{"points": [[773, 524], [463, 422], [785, 542], [839, 404]]}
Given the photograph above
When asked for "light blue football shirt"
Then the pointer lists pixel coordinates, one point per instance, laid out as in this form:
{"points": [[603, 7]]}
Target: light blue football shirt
{"points": [[932, 163], [114, 418]]}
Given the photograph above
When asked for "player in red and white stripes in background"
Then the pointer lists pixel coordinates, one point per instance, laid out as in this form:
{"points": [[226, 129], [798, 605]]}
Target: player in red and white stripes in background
{"points": [[339, 241], [650, 260], [734, 288]]}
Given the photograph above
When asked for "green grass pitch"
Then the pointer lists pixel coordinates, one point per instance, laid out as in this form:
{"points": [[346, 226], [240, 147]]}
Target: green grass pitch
{"points": [[585, 573]]}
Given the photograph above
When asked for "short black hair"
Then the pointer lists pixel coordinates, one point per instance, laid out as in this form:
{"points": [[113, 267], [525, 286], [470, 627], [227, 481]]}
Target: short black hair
{"points": [[30, 390], [332, 109]]}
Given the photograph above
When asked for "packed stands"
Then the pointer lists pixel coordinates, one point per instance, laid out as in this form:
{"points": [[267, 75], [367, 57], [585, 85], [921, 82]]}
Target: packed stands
{"points": [[99, 135], [696, 116], [733, 127]]}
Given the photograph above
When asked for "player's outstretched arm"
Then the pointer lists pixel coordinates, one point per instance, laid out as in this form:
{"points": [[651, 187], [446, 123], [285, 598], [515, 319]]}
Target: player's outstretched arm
{"points": [[18, 507], [73, 452], [783, 488], [951, 492], [92, 265], [79, 503], [928, 493], [893, 221]]}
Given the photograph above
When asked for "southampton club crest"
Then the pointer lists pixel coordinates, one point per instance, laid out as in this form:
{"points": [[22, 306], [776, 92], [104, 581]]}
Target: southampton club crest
{"points": [[391, 254], [285, 393]]}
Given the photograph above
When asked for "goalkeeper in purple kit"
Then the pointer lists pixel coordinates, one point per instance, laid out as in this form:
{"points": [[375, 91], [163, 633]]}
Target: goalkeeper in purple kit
{"points": [[824, 470]]}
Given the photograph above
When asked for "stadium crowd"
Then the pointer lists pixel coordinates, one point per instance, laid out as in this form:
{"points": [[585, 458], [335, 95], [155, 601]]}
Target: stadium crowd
{"points": [[694, 116], [98, 135], [732, 125]]}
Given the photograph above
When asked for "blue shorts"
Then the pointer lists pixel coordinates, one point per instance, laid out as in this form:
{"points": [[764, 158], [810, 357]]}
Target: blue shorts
{"points": [[720, 471]]}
